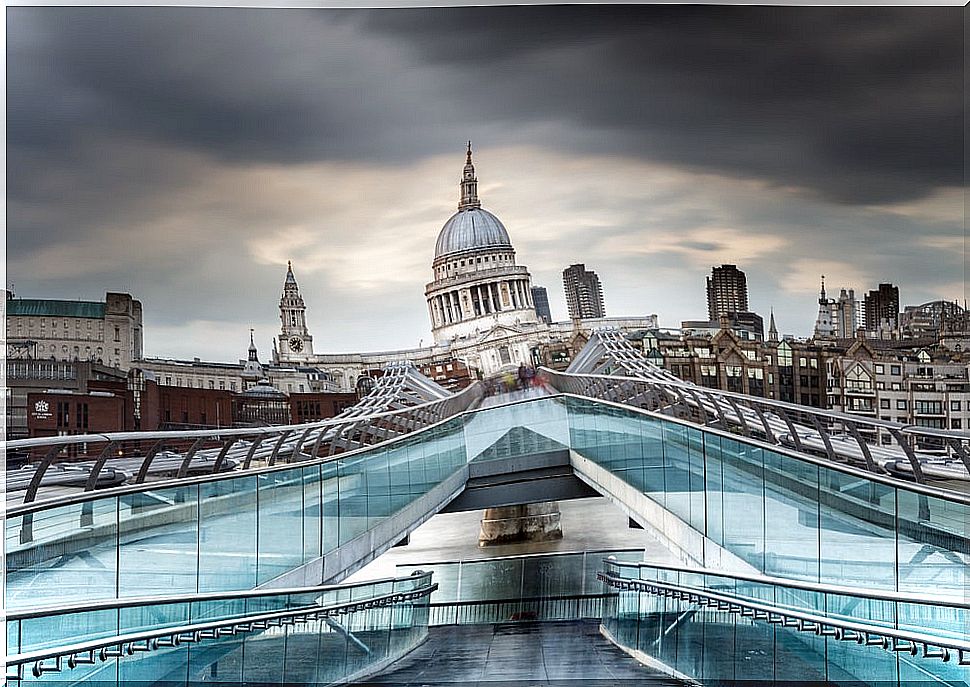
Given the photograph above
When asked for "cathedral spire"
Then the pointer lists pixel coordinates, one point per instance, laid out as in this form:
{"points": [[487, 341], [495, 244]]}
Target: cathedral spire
{"points": [[290, 279], [772, 330], [821, 298], [469, 184], [252, 347]]}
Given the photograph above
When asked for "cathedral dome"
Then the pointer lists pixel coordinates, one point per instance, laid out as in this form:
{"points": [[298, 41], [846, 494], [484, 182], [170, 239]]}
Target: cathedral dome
{"points": [[471, 229]]}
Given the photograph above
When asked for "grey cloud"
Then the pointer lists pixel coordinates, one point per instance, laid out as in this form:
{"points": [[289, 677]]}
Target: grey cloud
{"points": [[857, 104], [116, 116]]}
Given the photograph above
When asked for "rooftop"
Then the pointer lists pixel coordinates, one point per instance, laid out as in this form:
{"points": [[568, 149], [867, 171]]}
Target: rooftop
{"points": [[55, 308]]}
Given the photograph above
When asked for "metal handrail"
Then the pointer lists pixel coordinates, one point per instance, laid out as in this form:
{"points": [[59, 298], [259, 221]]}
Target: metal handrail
{"points": [[821, 412], [936, 492], [888, 480], [805, 585], [339, 430], [138, 601], [121, 646], [214, 434], [73, 499], [891, 639], [750, 418], [517, 556]]}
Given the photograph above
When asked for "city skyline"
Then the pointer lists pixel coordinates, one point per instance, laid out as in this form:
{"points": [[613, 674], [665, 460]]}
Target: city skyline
{"points": [[142, 161]]}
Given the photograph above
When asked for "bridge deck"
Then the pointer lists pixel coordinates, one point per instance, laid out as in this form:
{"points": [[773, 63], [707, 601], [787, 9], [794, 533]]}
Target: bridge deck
{"points": [[522, 654]]}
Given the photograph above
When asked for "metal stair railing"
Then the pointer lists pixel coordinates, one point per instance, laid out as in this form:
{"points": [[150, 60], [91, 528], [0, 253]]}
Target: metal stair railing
{"points": [[867, 634], [56, 659]]}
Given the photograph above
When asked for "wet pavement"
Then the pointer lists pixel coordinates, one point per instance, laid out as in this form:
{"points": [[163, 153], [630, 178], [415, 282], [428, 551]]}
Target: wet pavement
{"points": [[561, 654]]}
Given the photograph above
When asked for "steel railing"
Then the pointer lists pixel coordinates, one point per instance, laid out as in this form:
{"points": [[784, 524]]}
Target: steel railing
{"points": [[934, 646], [393, 408], [120, 646], [920, 454]]}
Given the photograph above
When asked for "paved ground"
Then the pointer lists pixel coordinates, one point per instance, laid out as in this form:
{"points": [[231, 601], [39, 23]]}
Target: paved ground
{"points": [[587, 524], [512, 396], [562, 654]]}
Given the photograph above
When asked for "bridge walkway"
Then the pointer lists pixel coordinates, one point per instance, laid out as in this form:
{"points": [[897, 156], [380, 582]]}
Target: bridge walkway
{"points": [[537, 654]]}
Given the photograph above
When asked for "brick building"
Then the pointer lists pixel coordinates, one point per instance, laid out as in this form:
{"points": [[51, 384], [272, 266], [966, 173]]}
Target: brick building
{"points": [[107, 332]]}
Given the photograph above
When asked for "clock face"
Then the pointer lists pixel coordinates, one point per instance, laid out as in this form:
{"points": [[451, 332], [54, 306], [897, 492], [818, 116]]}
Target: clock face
{"points": [[296, 344]]}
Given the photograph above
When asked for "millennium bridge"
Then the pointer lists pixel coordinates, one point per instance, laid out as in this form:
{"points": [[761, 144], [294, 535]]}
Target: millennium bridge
{"points": [[812, 546]]}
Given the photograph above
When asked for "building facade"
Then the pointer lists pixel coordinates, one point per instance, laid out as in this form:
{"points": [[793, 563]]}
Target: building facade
{"points": [[541, 298], [924, 388], [584, 293], [838, 318], [882, 308], [27, 376], [786, 370], [480, 304], [727, 292], [290, 377], [107, 332], [477, 284]]}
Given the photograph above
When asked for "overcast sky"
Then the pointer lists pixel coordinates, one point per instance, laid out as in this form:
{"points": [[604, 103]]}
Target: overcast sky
{"points": [[185, 154]]}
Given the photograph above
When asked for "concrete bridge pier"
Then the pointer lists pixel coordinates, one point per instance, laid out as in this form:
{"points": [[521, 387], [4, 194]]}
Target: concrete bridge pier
{"points": [[533, 522]]}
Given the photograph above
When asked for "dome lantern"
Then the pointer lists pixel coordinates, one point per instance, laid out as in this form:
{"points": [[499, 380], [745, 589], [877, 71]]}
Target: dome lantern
{"points": [[471, 228]]}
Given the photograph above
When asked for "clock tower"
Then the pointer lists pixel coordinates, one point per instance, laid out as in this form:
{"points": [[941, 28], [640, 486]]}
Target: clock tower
{"points": [[295, 343]]}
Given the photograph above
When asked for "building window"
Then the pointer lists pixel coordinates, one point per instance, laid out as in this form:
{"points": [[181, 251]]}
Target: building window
{"points": [[117, 334], [895, 369], [900, 405], [880, 369], [956, 424], [884, 403], [928, 407], [63, 414], [82, 415], [857, 379], [954, 405]]}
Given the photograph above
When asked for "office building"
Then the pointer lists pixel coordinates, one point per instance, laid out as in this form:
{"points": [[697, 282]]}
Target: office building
{"points": [[584, 293], [541, 298], [727, 292], [882, 308]]}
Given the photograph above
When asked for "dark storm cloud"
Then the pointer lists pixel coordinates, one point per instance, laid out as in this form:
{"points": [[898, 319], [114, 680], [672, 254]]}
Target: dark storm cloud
{"points": [[173, 152], [859, 105]]}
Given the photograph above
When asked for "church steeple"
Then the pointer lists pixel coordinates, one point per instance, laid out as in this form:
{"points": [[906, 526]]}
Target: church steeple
{"points": [[772, 330], [469, 184], [295, 342], [252, 370]]}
